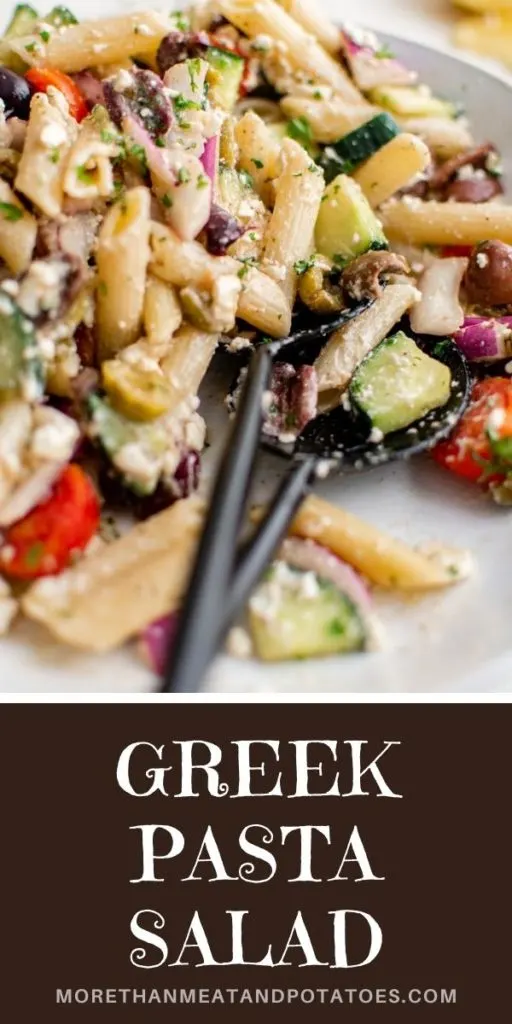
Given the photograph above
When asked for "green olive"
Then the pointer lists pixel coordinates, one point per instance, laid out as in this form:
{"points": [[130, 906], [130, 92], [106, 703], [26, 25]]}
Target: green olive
{"points": [[197, 310], [318, 293]]}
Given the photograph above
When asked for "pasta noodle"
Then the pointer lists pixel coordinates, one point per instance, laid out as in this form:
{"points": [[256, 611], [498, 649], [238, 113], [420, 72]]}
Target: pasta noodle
{"points": [[302, 50], [105, 41], [432, 223], [392, 168], [48, 141], [306, 13], [289, 236], [259, 154], [352, 342], [18, 231], [382, 559], [329, 119], [188, 359], [261, 302], [89, 172], [162, 311], [123, 587], [122, 259], [445, 136]]}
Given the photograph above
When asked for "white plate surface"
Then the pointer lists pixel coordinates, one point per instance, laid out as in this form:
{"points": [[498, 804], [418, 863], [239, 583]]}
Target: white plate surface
{"points": [[458, 642]]}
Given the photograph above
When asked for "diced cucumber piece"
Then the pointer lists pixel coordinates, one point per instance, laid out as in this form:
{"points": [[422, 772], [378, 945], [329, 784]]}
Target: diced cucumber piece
{"points": [[230, 188], [22, 23], [115, 432], [397, 384], [229, 68], [59, 17], [297, 614], [343, 156], [346, 225], [21, 370], [412, 101]]}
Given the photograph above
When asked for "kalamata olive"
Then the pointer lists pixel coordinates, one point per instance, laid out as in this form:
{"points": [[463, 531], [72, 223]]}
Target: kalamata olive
{"points": [[15, 94], [221, 230], [473, 190], [489, 274]]}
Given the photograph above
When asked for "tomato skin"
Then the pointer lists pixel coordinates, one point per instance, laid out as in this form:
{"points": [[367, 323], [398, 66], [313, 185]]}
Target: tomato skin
{"points": [[41, 78], [44, 542], [469, 451]]}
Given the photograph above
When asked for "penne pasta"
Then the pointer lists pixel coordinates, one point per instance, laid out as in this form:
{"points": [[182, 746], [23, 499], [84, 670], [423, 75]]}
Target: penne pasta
{"points": [[48, 141], [302, 49], [445, 136], [392, 168], [348, 346], [114, 593], [88, 173], [329, 119], [259, 152], [307, 14], [122, 258], [162, 311], [431, 223], [382, 559], [106, 41], [188, 359], [488, 36], [290, 234], [18, 231], [261, 301]]}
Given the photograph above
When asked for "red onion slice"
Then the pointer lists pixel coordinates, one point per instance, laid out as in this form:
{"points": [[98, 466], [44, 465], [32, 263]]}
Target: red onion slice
{"points": [[484, 339], [313, 557], [155, 641]]}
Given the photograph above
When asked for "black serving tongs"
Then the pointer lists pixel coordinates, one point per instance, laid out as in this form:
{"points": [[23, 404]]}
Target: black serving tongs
{"points": [[224, 572]]}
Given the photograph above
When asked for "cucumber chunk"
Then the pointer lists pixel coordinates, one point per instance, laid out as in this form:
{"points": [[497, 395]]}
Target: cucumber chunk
{"points": [[22, 23], [346, 225], [21, 370], [60, 16], [397, 384], [297, 614], [343, 156], [229, 68], [147, 441], [412, 102]]}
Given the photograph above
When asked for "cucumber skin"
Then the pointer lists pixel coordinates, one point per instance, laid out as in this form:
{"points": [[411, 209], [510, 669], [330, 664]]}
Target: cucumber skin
{"points": [[353, 149], [328, 624], [231, 67], [17, 335], [360, 382]]}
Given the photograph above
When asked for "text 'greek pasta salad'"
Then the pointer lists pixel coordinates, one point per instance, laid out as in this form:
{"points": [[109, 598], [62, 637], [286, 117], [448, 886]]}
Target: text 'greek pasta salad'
{"points": [[174, 184]]}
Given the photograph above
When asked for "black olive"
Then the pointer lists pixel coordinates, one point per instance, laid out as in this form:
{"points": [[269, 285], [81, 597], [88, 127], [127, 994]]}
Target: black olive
{"points": [[15, 94]]}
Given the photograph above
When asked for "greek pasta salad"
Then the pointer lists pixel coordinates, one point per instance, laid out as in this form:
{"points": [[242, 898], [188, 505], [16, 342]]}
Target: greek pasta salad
{"points": [[176, 185]]}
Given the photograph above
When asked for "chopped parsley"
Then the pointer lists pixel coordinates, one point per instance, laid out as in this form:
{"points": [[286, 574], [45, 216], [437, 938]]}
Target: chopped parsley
{"points": [[181, 103], [183, 176], [340, 261], [194, 70], [299, 129], [166, 200], [54, 155], [335, 628], [257, 163], [84, 175], [31, 47], [246, 179], [45, 36], [301, 266], [160, 142], [34, 555], [384, 53], [62, 16], [138, 153], [10, 212], [203, 181], [247, 262], [317, 95], [180, 21]]}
